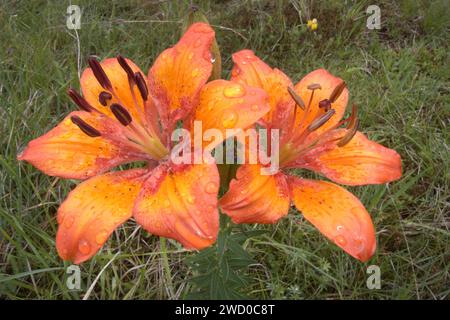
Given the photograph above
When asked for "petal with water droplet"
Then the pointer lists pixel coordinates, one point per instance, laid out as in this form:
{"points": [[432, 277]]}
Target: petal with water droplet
{"points": [[93, 210], [337, 213]]}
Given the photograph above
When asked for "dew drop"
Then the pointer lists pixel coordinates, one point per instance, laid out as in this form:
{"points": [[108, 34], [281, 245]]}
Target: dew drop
{"points": [[339, 228], [195, 72], [211, 187], [190, 199], [235, 90], [229, 118], [68, 222], [84, 247], [213, 59], [340, 240], [198, 43]]}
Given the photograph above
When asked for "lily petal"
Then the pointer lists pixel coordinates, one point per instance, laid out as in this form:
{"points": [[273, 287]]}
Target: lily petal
{"points": [[91, 89], [256, 198], [230, 105], [180, 202], [180, 72], [251, 70], [67, 152], [359, 162], [338, 215], [328, 83], [93, 210]]}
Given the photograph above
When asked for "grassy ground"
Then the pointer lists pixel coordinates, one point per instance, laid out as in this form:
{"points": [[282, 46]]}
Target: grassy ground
{"points": [[398, 75]]}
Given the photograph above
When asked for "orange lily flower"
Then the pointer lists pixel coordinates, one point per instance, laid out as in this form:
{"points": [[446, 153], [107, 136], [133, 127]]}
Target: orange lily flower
{"points": [[128, 117], [308, 116]]}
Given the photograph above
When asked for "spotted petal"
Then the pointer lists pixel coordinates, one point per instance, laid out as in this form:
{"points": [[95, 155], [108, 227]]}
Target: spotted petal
{"points": [[67, 152], [180, 202], [338, 215], [256, 198], [93, 210]]}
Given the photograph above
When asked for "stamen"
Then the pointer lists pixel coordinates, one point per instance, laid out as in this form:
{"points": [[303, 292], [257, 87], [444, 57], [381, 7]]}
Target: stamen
{"points": [[103, 98], [121, 114], [320, 121], [99, 73], [125, 66], [142, 85], [325, 104], [86, 128], [79, 100], [298, 100], [314, 86], [353, 117], [337, 91], [349, 135]]}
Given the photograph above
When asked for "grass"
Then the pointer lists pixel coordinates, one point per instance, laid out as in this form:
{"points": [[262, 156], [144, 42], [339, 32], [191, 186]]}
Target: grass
{"points": [[398, 76]]}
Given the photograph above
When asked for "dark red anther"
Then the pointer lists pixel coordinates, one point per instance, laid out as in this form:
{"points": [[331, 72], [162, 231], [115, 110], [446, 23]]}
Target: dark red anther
{"points": [[79, 100], [320, 121], [99, 73], [86, 128], [142, 85], [121, 114], [325, 104], [337, 91], [104, 97], [126, 67]]}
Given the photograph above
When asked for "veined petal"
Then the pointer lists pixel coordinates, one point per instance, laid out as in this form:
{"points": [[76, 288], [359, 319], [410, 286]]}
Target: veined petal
{"points": [[180, 202], [91, 89], [180, 72], [359, 162], [256, 198], [337, 213], [93, 210], [230, 105], [251, 70], [328, 83], [67, 152]]}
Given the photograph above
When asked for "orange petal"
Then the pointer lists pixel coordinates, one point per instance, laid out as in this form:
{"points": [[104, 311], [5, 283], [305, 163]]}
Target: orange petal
{"points": [[328, 83], [93, 210], [91, 88], [180, 202], [337, 213], [180, 72], [230, 105], [359, 162], [67, 152], [249, 69], [256, 198]]}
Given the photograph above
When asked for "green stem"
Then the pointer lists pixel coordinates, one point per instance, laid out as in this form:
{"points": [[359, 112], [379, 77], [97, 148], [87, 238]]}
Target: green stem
{"points": [[166, 268]]}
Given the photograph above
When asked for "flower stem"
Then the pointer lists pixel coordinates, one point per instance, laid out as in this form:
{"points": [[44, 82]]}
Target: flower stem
{"points": [[166, 268]]}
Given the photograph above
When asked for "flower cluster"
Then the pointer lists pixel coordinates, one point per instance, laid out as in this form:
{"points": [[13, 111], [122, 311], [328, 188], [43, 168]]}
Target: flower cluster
{"points": [[126, 116]]}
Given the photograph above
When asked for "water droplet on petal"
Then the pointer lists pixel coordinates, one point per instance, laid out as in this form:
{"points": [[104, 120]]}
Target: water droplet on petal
{"points": [[213, 59], [190, 199], [235, 90], [68, 222], [339, 228], [101, 237], [211, 187], [229, 118], [84, 247], [340, 240], [198, 43]]}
